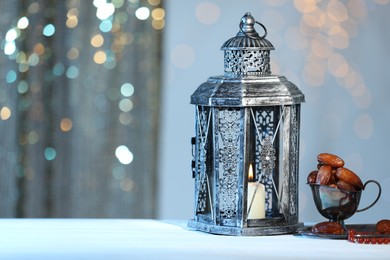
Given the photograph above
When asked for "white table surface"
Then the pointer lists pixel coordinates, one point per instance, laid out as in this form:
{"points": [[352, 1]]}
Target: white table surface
{"points": [[154, 239]]}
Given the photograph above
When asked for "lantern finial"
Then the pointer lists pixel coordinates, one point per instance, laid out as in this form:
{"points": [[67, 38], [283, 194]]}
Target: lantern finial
{"points": [[247, 27], [247, 53]]}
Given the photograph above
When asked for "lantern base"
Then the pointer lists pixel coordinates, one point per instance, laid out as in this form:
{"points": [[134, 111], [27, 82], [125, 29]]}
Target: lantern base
{"points": [[244, 231]]}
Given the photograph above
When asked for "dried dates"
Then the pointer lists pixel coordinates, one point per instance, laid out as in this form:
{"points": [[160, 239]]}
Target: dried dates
{"points": [[383, 226], [333, 228], [331, 172]]}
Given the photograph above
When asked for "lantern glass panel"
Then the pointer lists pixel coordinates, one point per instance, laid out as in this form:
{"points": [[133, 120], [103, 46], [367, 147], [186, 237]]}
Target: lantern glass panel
{"points": [[203, 156], [265, 124]]}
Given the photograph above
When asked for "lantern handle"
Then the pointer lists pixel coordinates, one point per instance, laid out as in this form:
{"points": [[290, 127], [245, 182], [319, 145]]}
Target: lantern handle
{"points": [[262, 26]]}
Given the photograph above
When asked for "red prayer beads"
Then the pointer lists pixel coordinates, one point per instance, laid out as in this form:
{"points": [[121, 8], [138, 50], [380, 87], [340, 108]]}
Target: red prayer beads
{"points": [[368, 237]]}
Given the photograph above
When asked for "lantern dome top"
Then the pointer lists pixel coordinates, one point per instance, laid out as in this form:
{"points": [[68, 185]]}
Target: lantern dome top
{"points": [[247, 79], [248, 38], [247, 53]]}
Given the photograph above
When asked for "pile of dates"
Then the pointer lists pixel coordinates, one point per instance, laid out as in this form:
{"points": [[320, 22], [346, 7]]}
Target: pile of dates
{"points": [[331, 172]]}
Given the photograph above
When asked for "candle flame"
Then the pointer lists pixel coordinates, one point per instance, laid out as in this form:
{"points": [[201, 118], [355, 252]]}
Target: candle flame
{"points": [[250, 173]]}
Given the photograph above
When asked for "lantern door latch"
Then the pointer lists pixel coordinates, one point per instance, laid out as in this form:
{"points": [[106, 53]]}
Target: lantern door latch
{"points": [[193, 142]]}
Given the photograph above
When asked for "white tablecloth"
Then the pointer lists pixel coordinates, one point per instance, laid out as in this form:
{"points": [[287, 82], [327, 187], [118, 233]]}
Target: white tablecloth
{"points": [[153, 239]]}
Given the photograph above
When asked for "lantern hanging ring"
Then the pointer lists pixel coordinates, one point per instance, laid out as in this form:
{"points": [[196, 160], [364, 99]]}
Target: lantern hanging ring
{"points": [[246, 34]]}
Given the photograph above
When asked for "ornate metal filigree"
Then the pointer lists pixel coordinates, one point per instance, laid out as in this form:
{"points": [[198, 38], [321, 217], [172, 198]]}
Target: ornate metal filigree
{"points": [[264, 122], [267, 155], [202, 197], [202, 204], [229, 132], [247, 62], [294, 157]]}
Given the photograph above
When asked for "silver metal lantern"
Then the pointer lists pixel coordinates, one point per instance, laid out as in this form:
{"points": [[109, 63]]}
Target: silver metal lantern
{"points": [[246, 148]]}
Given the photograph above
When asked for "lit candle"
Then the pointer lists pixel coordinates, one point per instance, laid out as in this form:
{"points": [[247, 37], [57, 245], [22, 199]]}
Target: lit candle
{"points": [[255, 189]]}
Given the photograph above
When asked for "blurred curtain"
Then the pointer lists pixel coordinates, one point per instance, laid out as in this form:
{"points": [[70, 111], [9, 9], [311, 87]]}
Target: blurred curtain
{"points": [[79, 104]]}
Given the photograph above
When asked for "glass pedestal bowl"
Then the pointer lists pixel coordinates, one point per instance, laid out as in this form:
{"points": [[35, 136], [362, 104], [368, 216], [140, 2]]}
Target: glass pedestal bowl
{"points": [[337, 204]]}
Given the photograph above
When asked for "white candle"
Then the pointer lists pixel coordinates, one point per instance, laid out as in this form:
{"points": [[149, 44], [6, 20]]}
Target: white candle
{"points": [[257, 209]]}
